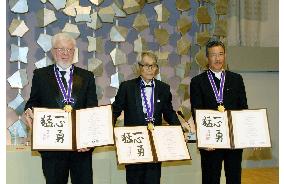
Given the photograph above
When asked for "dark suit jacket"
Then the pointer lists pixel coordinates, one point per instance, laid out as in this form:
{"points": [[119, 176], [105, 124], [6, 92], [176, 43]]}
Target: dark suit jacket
{"points": [[202, 95], [46, 93], [128, 99]]}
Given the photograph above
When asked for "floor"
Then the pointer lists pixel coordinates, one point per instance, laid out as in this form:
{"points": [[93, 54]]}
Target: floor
{"points": [[260, 176]]}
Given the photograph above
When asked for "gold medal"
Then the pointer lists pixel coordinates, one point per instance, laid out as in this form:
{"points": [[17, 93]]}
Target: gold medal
{"points": [[221, 108], [150, 126], [68, 108]]}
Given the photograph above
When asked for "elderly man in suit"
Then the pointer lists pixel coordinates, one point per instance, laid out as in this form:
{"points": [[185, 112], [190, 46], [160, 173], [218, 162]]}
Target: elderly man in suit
{"points": [[220, 89], [65, 86], [144, 100]]}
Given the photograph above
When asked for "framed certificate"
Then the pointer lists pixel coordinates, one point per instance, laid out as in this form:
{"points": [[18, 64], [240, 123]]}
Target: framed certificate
{"points": [[55, 129], [250, 128], [212, 129], [133, 145], [139, 145], [94, 127], [170, 143], [52, 130], [232, 129]]}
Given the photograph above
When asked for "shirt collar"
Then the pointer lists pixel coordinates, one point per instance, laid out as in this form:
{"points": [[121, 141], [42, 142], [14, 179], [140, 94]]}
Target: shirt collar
{"points": [[147, 83], [61, 69], [217, 74]]}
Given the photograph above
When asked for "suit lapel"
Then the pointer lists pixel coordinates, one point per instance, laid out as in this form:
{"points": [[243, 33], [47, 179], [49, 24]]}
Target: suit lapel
{"points": [[51, 77], [226, 86], [138, 96], [207, 85], [76, 86], [138, 100], [156, 97]]}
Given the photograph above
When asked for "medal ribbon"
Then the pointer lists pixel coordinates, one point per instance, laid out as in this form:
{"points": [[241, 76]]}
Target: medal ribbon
{"points": [[65, 93], [218, 94], [150, 109]]}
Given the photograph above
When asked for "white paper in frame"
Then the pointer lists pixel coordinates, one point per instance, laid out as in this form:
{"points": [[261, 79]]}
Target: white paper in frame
{"points": [[170, 143], [212, 129], [250, 128], [94, 127], [133, 145], [52, 129]]}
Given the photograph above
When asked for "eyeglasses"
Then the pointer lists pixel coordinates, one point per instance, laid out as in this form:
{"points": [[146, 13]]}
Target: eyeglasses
{"points": [[63, 50], [148, 67], [215, 55]]}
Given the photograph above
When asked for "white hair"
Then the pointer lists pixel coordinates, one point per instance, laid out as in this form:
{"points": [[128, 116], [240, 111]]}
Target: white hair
{"points": [[62, 36]]}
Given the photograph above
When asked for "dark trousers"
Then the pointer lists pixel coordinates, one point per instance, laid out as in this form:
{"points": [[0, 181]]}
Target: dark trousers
{"points": [[148, 173], [211, 165], [56, 166]]}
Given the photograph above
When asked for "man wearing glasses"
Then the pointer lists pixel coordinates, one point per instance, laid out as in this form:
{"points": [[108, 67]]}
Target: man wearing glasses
{"points": [[144, 101], [64, 86]]}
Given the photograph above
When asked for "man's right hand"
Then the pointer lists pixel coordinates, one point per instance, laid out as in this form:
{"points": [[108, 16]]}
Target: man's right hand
{"points": [[29, 116]]}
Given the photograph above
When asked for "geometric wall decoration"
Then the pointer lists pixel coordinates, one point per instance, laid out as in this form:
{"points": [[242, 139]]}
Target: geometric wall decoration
{"points": [[45, 17], [118, 33], [95, 21], [201, 59], [19, 79], [18, 28], [183, 91], [96, 2], [183, 46], [95, 44], [117, 8], [96, 66], [140, 45], [202, 15], [152, 1], [71, 29], [43, 62], [18, 129], [221, 7], [140, 22], [19, 6], [162, 36], [106, 14], [202, 38], [83, 14], [44, 41], [163, 13], [118, 57], [162, 57], [184, 25], [183, 5], [132, 6], [182, 70], [58, 4], [70, 7], [18, 104], [116, 79], [19, 53], [220, 28], [200, 1]]}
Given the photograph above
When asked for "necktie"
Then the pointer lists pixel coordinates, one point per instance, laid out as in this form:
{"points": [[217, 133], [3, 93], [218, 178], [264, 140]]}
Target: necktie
{"points": [[63, 78]]}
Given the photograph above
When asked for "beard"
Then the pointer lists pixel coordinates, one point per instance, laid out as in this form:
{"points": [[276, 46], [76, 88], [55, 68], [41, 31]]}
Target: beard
{"points": [[64, 64]]}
